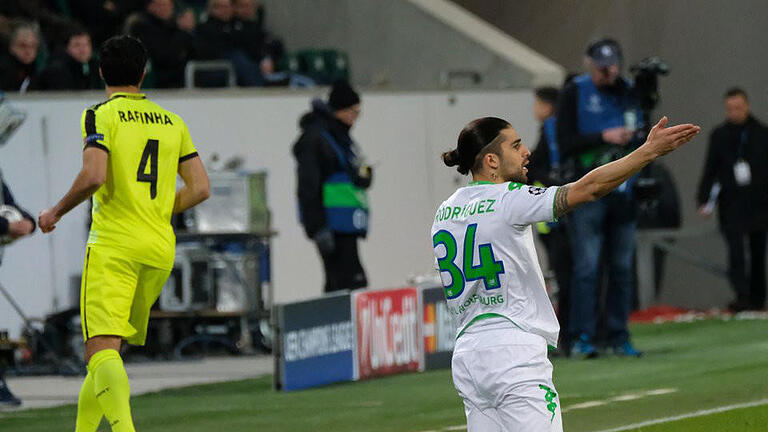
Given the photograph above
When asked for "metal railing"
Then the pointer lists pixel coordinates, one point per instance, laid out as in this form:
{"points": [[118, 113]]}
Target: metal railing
{"points": [[664, 239], [208, 66]]}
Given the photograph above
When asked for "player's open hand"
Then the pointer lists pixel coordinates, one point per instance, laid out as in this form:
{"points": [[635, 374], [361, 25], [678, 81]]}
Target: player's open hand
{"points": [[662, 140], [47, 220]]}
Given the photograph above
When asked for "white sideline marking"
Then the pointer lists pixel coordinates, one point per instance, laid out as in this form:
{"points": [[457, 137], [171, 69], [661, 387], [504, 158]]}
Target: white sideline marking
{"points": [[660, 392], [584, 405], [620, 398], [689, 415]]}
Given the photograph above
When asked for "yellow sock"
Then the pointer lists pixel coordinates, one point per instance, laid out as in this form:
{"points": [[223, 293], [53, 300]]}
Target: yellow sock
{"points": [[88, 410], [112, 389]]}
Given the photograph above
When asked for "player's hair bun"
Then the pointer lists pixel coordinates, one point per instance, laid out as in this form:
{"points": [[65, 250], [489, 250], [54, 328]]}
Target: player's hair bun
{"points": [[451, 158]]}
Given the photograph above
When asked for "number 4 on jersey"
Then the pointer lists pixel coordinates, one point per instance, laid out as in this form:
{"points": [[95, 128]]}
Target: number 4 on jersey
{"points": [[488, 270], [149, 155]]}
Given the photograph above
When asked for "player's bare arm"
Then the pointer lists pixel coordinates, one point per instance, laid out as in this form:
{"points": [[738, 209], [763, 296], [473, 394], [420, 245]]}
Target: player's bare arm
{"points": [[196, 187], [92, 175], [602, 180]]}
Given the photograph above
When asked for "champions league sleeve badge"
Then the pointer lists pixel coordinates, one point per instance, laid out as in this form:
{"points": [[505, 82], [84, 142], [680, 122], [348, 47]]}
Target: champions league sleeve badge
{"points": [[535, 190]]}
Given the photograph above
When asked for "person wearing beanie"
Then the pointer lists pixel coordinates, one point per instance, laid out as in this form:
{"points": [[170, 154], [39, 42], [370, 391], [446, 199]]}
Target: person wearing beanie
{"points": [[332, 184]]}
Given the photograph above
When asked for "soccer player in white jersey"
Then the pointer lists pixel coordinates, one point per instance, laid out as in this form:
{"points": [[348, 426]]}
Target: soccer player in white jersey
{"points": [[483, 244]]}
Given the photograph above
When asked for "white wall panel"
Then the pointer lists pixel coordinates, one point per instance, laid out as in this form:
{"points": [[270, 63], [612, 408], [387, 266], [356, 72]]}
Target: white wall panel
{"points": [[402, 133]]}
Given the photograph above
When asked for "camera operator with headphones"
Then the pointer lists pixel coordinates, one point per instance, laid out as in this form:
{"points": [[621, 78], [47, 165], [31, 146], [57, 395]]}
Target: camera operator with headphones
{"points": [[597, 122], [14, 224]]}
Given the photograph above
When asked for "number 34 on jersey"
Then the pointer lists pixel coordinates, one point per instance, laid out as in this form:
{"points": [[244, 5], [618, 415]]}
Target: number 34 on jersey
{"points": [[489, 269]]}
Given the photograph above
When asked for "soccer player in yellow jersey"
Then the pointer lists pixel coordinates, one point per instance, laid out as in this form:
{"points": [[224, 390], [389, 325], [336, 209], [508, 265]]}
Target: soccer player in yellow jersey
{"points": [[133, 150]]}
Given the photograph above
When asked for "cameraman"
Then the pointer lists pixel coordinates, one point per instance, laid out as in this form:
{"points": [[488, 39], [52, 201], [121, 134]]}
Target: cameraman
{"points": [[15, 230], [596, 120]]}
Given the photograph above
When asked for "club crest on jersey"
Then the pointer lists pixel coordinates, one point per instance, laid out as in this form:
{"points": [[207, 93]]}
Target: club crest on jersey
{"points": [[594, 104], [535, 190]]}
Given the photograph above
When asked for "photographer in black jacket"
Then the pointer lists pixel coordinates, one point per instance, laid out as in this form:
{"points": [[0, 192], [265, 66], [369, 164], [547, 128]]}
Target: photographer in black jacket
{"points": [[737, 159], [332, 184]]}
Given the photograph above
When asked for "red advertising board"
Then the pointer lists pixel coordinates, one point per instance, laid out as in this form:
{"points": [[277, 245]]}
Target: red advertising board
{"points": [[388, 332]]}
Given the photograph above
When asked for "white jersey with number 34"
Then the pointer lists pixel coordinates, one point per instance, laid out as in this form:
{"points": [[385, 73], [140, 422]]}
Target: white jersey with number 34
{"points": [[483, 244]]}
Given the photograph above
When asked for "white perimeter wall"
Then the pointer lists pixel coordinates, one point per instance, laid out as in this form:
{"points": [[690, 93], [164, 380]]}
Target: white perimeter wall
{"points": [[403, 133]]}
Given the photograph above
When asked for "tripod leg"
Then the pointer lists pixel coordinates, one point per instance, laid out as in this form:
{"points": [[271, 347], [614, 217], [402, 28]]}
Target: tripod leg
{"points": [[58, 361], [15, 305]]}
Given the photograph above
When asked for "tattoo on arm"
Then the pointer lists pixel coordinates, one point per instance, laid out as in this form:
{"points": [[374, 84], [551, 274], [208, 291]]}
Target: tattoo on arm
{"points": [[561, 201]]}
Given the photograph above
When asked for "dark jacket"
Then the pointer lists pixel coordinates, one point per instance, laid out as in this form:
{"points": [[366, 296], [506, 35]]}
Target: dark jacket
{"points": [[8, 200], [740, 207], [169, 49], [66, 73], [13, 73], [250, 37], [100, 21], [214, 39], [570, 140], [316, 161]]}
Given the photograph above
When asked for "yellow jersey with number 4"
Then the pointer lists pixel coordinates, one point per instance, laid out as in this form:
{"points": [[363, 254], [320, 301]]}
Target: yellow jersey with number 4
{"points": [[132, 209]]}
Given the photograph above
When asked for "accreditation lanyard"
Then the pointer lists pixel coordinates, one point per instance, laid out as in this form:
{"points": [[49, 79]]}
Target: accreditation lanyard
{"points": [[741, 170]]}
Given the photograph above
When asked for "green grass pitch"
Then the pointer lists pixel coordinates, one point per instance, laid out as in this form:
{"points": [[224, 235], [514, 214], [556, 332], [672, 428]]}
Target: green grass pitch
{"points": [[688, 367]]}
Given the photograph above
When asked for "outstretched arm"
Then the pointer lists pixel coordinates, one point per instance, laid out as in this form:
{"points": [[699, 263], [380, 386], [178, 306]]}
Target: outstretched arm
{"points": [[196, 187], [92, 175], [602, 180]]}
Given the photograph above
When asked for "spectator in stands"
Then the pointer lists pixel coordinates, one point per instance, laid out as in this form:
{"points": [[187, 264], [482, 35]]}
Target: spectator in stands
{"points": [[103, 18], [249, 10], [250, 35], [216, 40], [215, 36], [592, 131], [169, 46], [17, 66], [737, 159], [186, 20], [332, 180], [544, 170], [46, 14], [74, 67]]}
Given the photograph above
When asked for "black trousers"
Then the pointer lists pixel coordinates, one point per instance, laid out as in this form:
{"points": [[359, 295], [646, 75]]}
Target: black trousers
{"points": [[342, 266], [749, 284]]}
